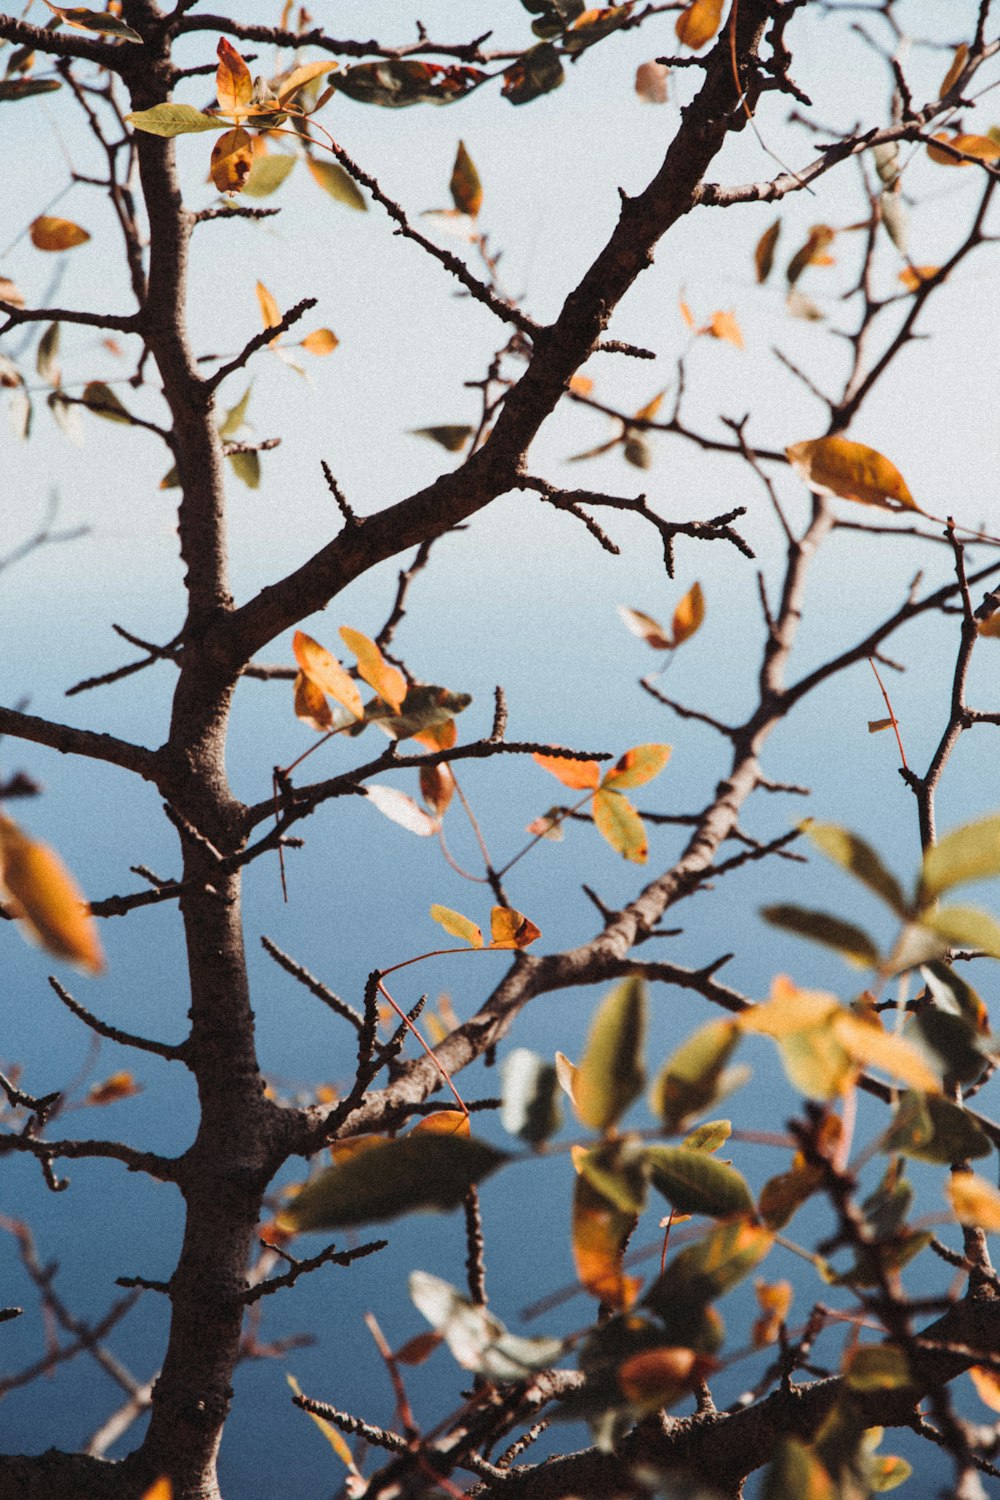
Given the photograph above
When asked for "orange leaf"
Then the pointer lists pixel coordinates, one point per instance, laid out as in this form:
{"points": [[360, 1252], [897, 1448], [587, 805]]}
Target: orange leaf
{"points": [[723, 325], [775, 1301], [388, 682], [56, 234], [688, 615], [418, 1349], [326, 673], [509, 929], [233, 83], [580, 775], [835, 466], [118, 1086], [232, 159], [763, 255], [659, 1377], [699, 23], [9, 292], [328, 1430], [646, 628], [954, 73], [987, 1384], [438, 736], [443, 1122], [983, 147], [269, 309], [581, 385], [637, 766], [466, 188], [161, 1490], [686, 313], [990, 626], [458, 926], [617, 821], [600, 1232], [311, 705], [321, 341], [820, 235], [648, 412], [913, 277], [47, 899]]}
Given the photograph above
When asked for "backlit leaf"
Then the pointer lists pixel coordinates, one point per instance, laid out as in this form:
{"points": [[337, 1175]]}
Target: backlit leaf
{"points": [[246, 467], [172, 119], [835, 466], [637, 766], [600, 1232], [509, 929], [692, 1078], [856, 856], [688, 615], [161, 1490], [913, 277], [235, 417], [974, 1201], [723, 325], [466, 188], [333, 1437], [391, 1178], [477, 1339], [443, 1122], [100, 21], [698, 23], [648, 412], [648, 629], [875, 726], [782, 1195], [530, 1108], [610, 1075], [566, 1074], [311, 705], [812, 251], [982, 147], [763, 255], [48, 233], [232, 160], [819, 926], [651, 82], [334, 180], [580, 775], [695, 1182], [954, 72], [269, 310], [710, 1136], [47, 899], [286, 88], [458, 926], [268, 173], [964, 927], [320, 342], [707, 1269], [387, 681], [401, 809], [617, 821], [968, 853], [896, 219], [877, 1367], [233, 83], [886, 1471], [326, 673]]}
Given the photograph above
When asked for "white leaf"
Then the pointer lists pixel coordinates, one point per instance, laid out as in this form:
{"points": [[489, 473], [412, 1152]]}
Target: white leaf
{"points": [[402, 810]]}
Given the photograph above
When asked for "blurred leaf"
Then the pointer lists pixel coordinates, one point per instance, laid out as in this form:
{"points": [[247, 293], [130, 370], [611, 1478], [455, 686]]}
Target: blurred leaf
{"points": [[537, 72], [600, 1233], [835, 466], [851, 942], [723, 325], [610, 1075], [566, 1074], [782, 1195], [326, 673], [775, 1301], [616, 1170], [987, 1384], [66, 416], [466, 188], [952, 993], [651, 82], [102, 401], [458, 926], [710, 1267], [929, 1128], [246, 467], [401, 809], [801, 306], [637, 766], [617, 821], [966, 854], [913, 277], [646, 628], [982, 147], [320, 342], [695, 1182], [333, 1437], [886, 1472], [698, 23], [814, 249], [877, 1367], [510, 929], [269, 310], [710, 1136], [477, 1339], [691, 1079], [310, 704], [856, 856], [95, 20], [120, 1085], [579, 775], [954, 72], [26, 88], [236, 415], [688, 615], [953, 1041], [424, 708], [443, 1122], [875, 726], [637, 452], [796, 1473], [974, 1201], [896, 219], [451, 436], [47, 900], [172, 119], [268, 173], [47, 233], [530, 1108], [10, 293], [392, 1178], [334, 180], [964, 927], [656, 1378], [47, 357], [763, 255]]}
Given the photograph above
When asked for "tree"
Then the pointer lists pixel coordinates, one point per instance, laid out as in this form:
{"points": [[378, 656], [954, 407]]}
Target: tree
{"points": [[400, 1128]]}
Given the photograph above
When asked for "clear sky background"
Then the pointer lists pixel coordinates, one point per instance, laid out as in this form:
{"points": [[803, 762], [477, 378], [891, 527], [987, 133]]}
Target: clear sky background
{"points": [[523, 597]]}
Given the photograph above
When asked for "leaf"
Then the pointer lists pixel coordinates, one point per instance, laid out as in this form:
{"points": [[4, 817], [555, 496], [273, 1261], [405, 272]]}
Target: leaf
{"points": [[617, 821], [425, 707], [600, 1233], [47, 899], [458, 926], [887, 1471], [851, 942], [987, 1384], [797, 1474], [696, 1182], [966, 854], [913, 277], [688, 615], [896, 219], [102, 401], [95, 20], [311, 705], [877, 1367], [955, 70], [443, 1122], [712, 1266], [332, 178], [531, 1107], [450, 222], [782, 1195], [47, 357], [990, 627], [48, 233], [953, 1041], [161, 1490], [392, 1178], [387, 681], [509, 929], [974, 1201], [235, 417], [269, 309], [328, 1430], [853, 854], [651, 82], [288, 86], [477, 1339], [268, 173], [636, 452], [326, 673], [401, 809], [875, 726], [232, 160], [246, 467], [953, 994], [646, 628], [812, 252], [12, 295], [691, 1079], [637, 766], [610, 1074], [723, 325], [233, 83], [929, 1128], [437, 787], [66, 416], [763, 255], [965, 927], [566, 1074], [172, 119], [537, 72], [710, 1136], [982, 147], [119, 1086], [655, 1378], [27, 88], [775, 1302], [801, 306], [465, 186], [835, 466], [800, 1021], [698, 23], [320, 342], [397, 83], [452, 436], [579, 775]]}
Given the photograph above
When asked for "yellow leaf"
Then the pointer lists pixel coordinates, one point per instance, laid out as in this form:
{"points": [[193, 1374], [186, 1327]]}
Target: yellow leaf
{"points": [[789, 1009], [581, 385], [56, 234], [119, 1086], [913, 277], [458, 926], [443, 1122], [509, 929], [954, 73], [269, 309], [648, 412], [872, 1047], [723, 325], [835, 466], [233, 83], [637, 766], [688, 615], [328, 1430], [579, 775], [983, 147], [617, 821], [232, 160], [311, 705], [299, 77], [47, 899], [974, 1201], [987, 1384], [991, 626], [388, 682], [326, 673], [321, 341], [698, 23], [775, 1301]]}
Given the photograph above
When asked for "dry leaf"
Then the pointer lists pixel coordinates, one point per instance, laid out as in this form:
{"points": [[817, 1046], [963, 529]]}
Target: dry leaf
{"points": [[47, 899], [835, 466]]}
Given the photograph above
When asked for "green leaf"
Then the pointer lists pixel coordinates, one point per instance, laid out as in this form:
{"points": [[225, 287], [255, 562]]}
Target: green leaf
{"points": [[394, 1178], [453, 437], [332, 178], [954, 1042], [851, 942], [465, 185], [696, 1183], [617, 821], [886, 1472], [616, 1170], [268, 173], [236, 415], [537, 72], [929, 1128], [637, 452], [610, 1075], [174, 119], [458, 926], [710, 1136], [531, 1107], [246, 467], [797, 1474], [637, 766], [102, 401], [26, 88], [782, 1195], [705, 1270], [477, 1339], [877, 1367], [968, 853], [816, 1063], [692, 1078], [951, 993], [859, 859], [965, 927], [423, 708]]}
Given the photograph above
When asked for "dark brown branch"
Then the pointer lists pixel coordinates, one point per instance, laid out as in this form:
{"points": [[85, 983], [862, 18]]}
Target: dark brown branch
{"points": [[114, 1033], [70, 741]]}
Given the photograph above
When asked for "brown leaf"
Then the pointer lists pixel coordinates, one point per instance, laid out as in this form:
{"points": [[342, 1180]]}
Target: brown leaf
{"points": [[119, 1086], [651, 82], [56, 234], [466, 188]]}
